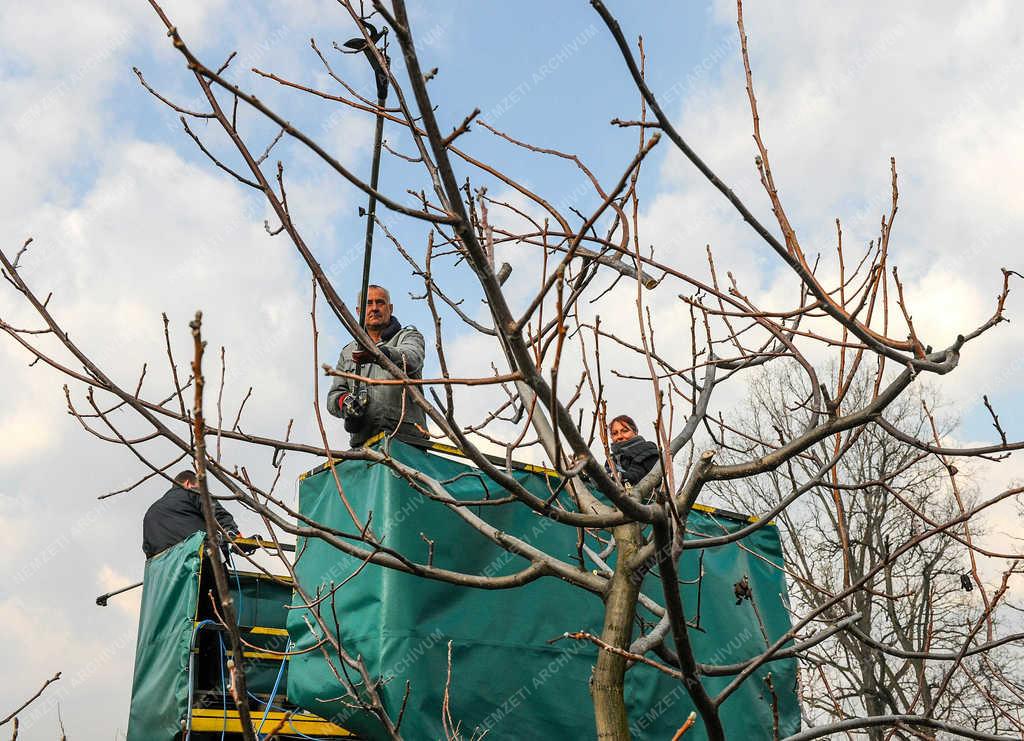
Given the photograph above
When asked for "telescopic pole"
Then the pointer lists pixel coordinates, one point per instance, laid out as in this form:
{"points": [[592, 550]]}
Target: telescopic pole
{"points": [[371, 208], [361, 45]]}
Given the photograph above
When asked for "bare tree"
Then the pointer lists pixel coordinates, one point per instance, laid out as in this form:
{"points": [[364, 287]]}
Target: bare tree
{"points": [[882, 492], [558, 358]]}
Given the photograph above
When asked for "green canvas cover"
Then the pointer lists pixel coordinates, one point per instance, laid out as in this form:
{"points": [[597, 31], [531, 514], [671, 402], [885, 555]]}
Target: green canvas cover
{"points": [[506, 678], [261, 602], [160, 687]]}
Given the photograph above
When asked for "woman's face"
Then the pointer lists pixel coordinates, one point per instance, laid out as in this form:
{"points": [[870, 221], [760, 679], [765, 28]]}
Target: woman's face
{"points": [[621, 432]]}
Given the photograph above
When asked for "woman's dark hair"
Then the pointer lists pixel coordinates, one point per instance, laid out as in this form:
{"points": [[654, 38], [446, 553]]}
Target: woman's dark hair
{"points": [[186, 477], [625, 419]]}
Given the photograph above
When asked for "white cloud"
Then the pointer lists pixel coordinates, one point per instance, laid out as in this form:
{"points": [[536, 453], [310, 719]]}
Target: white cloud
{"points": [[89, 35], [152, 233], [838, 94], [26, 432]]}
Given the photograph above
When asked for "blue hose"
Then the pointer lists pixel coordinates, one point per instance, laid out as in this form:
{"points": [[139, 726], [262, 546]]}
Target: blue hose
{"points": [[280, 672], [295, 731], [224, 690], [238, 585], [270, 703], [223, 687], [191, 665], [273, 692]]}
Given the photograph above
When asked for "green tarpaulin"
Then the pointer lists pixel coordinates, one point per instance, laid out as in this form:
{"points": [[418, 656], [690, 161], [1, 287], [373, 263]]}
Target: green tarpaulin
{"points": [[160, 687], [506, 678], [170, 611]]}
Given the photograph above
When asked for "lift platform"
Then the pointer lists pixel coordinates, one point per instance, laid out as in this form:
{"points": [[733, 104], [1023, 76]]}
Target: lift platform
{"points": [[513, 674], [181, 688], [506, 676]]}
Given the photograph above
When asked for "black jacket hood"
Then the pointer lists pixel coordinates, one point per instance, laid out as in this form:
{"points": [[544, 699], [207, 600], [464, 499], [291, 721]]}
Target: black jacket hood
{"points": [[392, 329]]}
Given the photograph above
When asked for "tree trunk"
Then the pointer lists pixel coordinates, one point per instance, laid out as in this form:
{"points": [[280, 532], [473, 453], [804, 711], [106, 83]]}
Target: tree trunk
{"points": [[606, 686]]}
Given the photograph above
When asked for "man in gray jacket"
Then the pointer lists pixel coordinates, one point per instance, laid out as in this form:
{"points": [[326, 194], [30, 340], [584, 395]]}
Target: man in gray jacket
{"points": [[371, 408]]}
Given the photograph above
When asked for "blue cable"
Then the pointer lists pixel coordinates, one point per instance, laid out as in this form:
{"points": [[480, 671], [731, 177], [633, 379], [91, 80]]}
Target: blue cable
{"points": [[223, 687], [300, 733], [238, 584], [295, 731], [280, 673], [191, 664], [270, 704], [273, 692]]}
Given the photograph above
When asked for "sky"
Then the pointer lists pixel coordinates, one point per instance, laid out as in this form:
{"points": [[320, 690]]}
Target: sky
{"points": [[130, 221]]}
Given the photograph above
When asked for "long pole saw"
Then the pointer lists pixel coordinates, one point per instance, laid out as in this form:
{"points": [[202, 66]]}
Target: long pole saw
{"points": [[358, 45]]}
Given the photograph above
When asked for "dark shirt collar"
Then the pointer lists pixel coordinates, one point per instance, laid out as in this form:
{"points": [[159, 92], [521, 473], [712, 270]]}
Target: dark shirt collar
{"points": [[391, 330], [634, 442]]}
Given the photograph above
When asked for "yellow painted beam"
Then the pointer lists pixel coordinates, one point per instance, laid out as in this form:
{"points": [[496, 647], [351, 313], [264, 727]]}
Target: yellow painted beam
{"points": [[268, 631], [258, 629], [210, 719], [264, 655]]}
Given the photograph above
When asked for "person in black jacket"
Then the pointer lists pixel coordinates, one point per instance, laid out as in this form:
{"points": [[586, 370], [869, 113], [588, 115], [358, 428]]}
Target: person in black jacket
{"points": [[179, 513], [632, 455]]}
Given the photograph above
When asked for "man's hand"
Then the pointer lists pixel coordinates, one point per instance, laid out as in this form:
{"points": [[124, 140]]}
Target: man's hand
{"points": [[352, 407], [365, 356], [244, 548]]}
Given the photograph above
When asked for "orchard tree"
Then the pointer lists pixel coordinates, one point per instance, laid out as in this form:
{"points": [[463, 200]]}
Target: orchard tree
{"points": [[558, 358]]}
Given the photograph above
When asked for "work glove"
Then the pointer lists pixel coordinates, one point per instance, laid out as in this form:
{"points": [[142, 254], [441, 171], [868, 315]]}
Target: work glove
{"points": [[365, 356], [353, 411], [248, 548], [353, 407]]}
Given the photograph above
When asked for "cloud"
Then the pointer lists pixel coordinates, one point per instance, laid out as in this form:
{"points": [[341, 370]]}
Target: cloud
{"points": [[151, 233], [838, 94], [27, 433], [129, 221], [89, 36]]}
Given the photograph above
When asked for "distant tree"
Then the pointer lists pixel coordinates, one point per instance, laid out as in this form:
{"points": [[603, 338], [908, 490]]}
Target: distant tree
{"points": [[916, 612], [556, 357]]}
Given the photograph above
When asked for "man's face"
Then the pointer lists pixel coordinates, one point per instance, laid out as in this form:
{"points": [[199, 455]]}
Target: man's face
{"points": [[378, 310]]}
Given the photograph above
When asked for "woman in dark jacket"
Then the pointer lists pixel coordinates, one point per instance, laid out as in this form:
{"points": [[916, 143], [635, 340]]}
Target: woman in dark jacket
{"points": [[633, 456]]}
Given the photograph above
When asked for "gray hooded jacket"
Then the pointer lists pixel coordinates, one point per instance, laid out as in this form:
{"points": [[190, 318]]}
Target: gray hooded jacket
{"points": [[387, 404]]}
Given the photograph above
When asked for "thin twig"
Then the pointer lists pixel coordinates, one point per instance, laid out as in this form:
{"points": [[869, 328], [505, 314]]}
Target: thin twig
{"points": [[32, 699]]}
